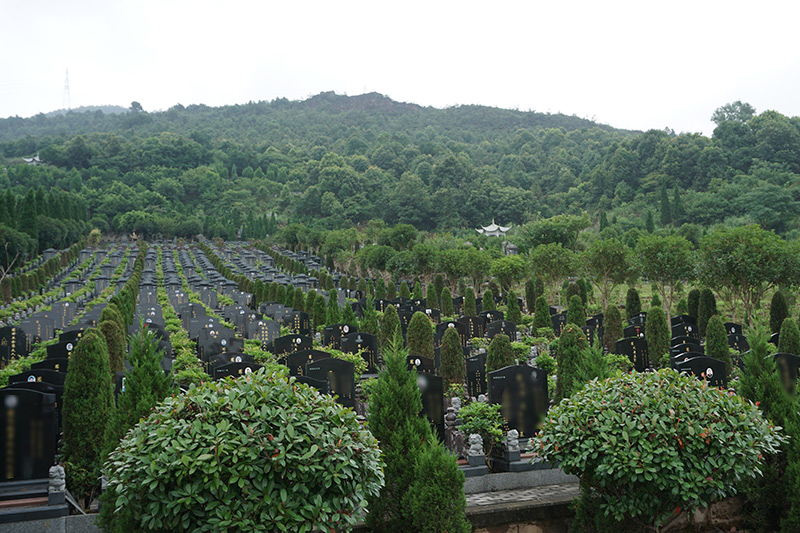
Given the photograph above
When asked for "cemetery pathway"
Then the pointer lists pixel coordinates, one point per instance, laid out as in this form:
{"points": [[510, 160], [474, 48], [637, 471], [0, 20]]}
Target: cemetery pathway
{"points": [[536, 496]]}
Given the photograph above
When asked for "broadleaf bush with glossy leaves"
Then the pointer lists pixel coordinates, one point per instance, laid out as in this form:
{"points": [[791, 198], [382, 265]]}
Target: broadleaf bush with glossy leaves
{"points": [[261, 453], [646, 445]]}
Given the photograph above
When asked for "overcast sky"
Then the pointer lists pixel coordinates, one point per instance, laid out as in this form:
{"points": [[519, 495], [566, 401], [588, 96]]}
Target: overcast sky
{"points": [[636, 65]]}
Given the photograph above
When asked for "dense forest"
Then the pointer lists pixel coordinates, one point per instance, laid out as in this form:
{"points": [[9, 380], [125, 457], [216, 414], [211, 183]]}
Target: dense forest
{"points": [[334, 161]]}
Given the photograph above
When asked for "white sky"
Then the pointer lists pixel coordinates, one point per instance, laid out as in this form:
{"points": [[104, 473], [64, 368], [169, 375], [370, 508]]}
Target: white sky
{"points": [[637, 65]]}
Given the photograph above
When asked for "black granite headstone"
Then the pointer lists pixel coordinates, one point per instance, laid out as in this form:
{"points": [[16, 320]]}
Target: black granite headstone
{"points": [[291, 343], [636, 350], [521, 390], [340, 377], [708, 368], [28, 440], [432, 390], [353, 342], [420, 363], [476, 375]]}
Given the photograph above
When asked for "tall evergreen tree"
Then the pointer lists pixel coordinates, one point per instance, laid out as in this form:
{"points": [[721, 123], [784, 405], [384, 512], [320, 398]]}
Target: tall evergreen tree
{"points": [[431, 297], [87, 405], [678, 211], [633, 304], [612, 327], [390, 326], [452, 361], [391, 291], [438, 284], [513, 312], [575, 311], [789, 337], [115, 341], [405, 292], [417, 294], [332, 315], [369, 319], [649, 224], [299, 300], [380, 289], [320, 311], [571, 345], [470, 308], [657, 333], [541, 317], [419, 337], [705, 310], [348, 316], [487, 303], [447, 302], [693, 303], [778, 311], [500, 353], [666, 209], [603, 220]]}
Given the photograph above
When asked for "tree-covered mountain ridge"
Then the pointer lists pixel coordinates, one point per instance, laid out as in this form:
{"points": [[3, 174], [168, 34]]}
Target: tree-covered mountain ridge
{"points": [[334, 161]]}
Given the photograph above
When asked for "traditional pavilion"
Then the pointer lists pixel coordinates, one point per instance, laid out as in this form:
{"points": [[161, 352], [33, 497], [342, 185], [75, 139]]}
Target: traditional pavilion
{"points": [[493, 230]]}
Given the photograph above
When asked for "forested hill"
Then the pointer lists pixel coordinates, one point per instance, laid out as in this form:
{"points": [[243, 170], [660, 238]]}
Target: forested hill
{"points": [[334, 161]]}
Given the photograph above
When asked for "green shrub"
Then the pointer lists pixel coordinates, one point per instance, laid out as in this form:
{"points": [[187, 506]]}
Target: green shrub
{"points": [[299, 300], [349, 316], [257, 454], [419, 337], [683, 307], [447, 302], [571, 345], [416, 294], [320, 310], [391, 291], [431, 297], [633, 304], [380, 289], [500, 353], [705, 310], [484, 419], [690, 445], [451, 358], [658, 335], [87, 405], [612, 327], [616, 362], [789, 337], [546, 362], [575, 311], [541, 317], [778, 311]]}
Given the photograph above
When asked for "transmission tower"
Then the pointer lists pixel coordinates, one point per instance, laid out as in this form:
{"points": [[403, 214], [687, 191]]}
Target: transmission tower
{"points": [[65, 101]]}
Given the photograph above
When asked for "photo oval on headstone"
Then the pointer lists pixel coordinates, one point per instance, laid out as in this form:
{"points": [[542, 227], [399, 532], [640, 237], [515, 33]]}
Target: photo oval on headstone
{"points": [[709, 373]]}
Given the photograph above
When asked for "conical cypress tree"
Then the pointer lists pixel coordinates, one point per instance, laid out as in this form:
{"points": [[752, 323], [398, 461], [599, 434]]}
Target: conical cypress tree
{"points": [[530, 295], [487, 303], [447, 302], [512, 308], [717, 342], [348, 316], [633, 305], [319, 311], [419, 337], [571, 345], [436, 500], [311, 298], [332, 315], [380, 289], [438, 285], [470, 309], [612, 327], [145, 386], [705, 310], [683, 307], [288, 298], [299, 300], [572, 290], [452, 363], [390, 326], [575, 312], [280, 294], [87, 405], [394, 407], [666, 209], [789, 337], [431, 297], [655, 301], [541, 318], [778, 311], [657, 333], [362, 286], [115, 341], [693, 301], [500, 353], [417, 294], [649, 224], [405, 292], [391, 291], [369, 319]]}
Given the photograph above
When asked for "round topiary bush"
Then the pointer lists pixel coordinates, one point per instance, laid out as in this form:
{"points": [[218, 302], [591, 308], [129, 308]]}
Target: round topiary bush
{"points": [[646, 445], [257, 454]]}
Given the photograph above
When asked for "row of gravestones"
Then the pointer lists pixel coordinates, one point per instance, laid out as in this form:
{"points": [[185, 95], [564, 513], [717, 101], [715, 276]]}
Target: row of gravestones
{"points": [[30, 412]]}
